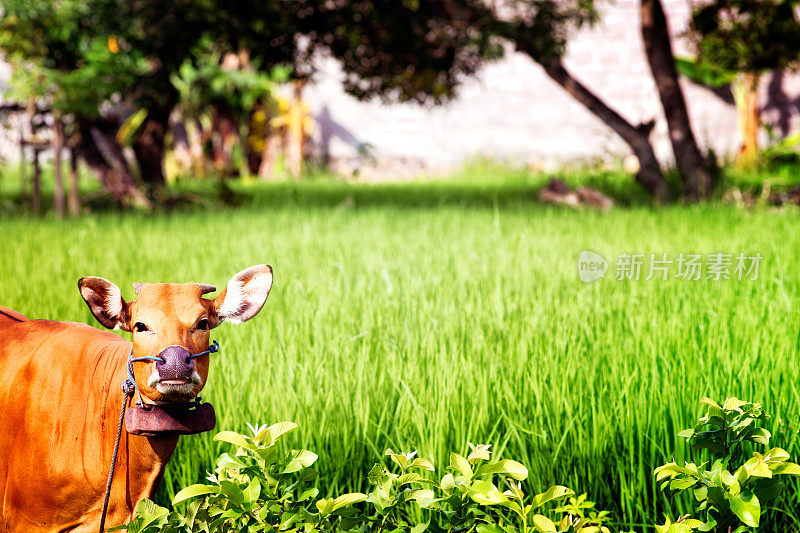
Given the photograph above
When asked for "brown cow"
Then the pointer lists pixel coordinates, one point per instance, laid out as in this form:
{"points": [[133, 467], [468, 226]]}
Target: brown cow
{"points": [[60, 396]]}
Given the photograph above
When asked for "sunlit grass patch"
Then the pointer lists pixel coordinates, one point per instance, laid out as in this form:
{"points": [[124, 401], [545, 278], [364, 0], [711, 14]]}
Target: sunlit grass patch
{"points": [[421, 325]]}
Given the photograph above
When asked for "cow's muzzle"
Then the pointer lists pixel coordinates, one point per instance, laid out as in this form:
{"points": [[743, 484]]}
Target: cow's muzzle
{"points": [[175, 373], [176, 364]]}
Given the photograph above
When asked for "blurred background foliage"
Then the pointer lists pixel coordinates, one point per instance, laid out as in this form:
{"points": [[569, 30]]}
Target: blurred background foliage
{"points": [[189, 87]]}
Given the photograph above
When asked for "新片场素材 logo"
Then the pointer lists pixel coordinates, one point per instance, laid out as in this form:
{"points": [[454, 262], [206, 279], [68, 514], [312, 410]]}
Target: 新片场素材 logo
{"points": [[718, 266], [591, 266]]}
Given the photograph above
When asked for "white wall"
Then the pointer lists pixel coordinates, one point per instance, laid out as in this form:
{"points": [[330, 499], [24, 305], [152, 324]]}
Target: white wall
{"points": [[512, 110]]}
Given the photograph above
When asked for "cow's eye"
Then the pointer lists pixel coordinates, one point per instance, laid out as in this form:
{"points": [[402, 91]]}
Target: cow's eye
{"points": [[203, 324], [140, 326]]}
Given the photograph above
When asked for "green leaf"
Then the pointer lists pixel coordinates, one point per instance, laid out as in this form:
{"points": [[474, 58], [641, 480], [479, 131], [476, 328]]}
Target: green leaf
{"points": [[232, 491], [701, 493], [425, 498], [682, 483], [703, 74], [424, 464], [448, 482], [308, 494], [733, 404], [272, 433], [505, 466], [768, 489], [325, 506], [553, 493], [348, 499], [419, 528], [230, 462], [148, 513], [483, 527], [791, 469], [761, 436], [192, 491], [756, 467], [377, 474], [299, 459], [746, 507], [410, 477], [664, 471], [485, 493], [543, 524], [252, 492], [401, 459], [461, 465], [776, 455], [705, 400], [234, 438]]}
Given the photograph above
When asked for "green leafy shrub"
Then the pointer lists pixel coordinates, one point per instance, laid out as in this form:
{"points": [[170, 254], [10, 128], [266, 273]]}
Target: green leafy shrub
{"points": [[259, 489], [467, 498], [255, 488], [729, 493]]}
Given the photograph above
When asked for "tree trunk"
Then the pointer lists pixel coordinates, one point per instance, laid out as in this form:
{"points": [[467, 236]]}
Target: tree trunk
{"points": [[692, 166], [295, 146], [58, 146], [181, 150], [225, 135], [746, 97], [149, 146], [91, 154], [637, 137], [198, 137], [112, 154], [103, 154], [269, 154], [73, 197]]}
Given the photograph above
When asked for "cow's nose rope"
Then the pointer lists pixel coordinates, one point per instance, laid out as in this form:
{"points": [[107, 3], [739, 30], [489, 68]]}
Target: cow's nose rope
{"points": [[214, 348], [128, 388]]}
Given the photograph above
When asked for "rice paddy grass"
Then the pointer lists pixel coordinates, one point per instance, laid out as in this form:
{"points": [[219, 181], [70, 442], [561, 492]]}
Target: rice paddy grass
{"points": [[423, 316]]}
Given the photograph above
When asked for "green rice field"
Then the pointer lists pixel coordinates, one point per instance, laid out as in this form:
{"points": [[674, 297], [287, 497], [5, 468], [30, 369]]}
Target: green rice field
{"points": [[423, 316]]}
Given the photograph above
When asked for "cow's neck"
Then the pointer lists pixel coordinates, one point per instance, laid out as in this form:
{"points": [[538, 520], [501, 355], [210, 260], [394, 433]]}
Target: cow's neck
{"points": [[147, 457], [141, 460]]}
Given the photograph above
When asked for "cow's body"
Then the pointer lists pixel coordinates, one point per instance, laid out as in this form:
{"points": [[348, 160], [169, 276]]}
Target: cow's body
{"points": [[60, 396]]}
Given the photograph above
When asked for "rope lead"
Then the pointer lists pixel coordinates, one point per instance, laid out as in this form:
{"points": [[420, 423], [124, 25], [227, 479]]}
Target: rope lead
{"points": [[127, 391]]}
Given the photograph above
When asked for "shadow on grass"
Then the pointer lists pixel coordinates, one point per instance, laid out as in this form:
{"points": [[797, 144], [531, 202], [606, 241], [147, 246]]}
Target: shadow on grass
{"points": [[518, 191]]}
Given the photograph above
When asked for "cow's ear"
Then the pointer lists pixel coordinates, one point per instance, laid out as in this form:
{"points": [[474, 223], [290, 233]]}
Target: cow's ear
{"points": [[245, 295], [105, 301]]}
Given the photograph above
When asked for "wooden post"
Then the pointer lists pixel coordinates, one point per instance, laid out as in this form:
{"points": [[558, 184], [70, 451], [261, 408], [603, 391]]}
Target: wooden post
{"points": [[21, 160], [73, 198], [36, 197], [27, 136], [58, 145]]}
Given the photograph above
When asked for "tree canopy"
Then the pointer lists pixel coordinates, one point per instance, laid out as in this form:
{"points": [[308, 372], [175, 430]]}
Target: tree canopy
{"points": [[421, 50], [748, 35], [100, 60]]}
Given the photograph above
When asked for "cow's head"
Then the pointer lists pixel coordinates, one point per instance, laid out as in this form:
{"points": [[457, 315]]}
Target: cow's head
{"points": [[172, 321]]}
